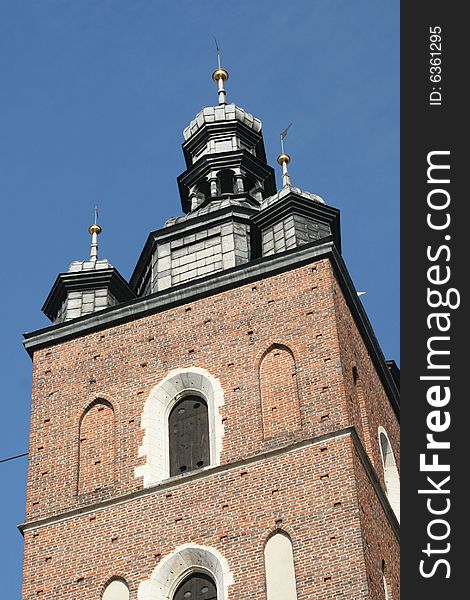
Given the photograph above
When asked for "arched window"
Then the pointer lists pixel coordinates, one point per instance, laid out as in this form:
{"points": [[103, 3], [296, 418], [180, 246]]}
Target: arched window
{"points": [[391, 477], [197, 586], [117, 589], [179, 384], [96, 447], [173, 572], [204, 189], [226, 181], [188, 426], [280, 571]]}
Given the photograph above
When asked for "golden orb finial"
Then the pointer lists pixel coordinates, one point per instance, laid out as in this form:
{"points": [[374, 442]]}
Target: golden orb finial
{"points": [[283, 158], [95, 228], [220, 73]]}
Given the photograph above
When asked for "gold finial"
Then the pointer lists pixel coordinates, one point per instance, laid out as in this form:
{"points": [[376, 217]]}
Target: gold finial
{"points": [[284, 159], [220, 75], [94, 230]]}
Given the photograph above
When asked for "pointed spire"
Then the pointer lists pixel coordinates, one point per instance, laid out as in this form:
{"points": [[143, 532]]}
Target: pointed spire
{"points": [[220, 75], [94, 230], [284, 159]]}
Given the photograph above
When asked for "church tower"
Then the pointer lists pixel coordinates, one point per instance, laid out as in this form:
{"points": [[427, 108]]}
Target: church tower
{"points": [[224, 425]]}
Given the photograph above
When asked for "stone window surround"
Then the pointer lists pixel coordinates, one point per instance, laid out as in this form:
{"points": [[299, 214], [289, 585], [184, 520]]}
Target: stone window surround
{"points": [[183, 561], [163, 397]]}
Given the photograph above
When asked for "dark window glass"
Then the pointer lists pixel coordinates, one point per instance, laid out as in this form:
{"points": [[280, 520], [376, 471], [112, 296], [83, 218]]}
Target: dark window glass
{"points": [[198, 586], [189, 435]]}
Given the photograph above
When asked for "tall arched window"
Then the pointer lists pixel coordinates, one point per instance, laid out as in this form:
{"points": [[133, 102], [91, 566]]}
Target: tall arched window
{"points": [[96, 467], [391, 476], [117, 589], [188, 426], [197, 586], [280, 571]]}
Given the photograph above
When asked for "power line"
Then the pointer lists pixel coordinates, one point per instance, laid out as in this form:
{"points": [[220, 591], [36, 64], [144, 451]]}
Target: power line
{"points": [[13, 457]]}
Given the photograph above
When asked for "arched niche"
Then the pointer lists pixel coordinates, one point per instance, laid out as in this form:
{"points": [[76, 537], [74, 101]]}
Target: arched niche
{"points": [[116, 589], [226, 181], [96, 452], [279, 394], [391, 475], [280, 570]]}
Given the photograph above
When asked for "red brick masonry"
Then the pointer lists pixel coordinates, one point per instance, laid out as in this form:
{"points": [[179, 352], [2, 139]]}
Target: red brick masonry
{"points": [[289, 460]]}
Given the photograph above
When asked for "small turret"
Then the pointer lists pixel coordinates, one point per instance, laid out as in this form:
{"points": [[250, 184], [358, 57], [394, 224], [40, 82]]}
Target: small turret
{"points": [[87, 287]]}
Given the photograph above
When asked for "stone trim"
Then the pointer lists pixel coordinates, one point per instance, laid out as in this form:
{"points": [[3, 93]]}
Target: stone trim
{"points": [[184, 560], [177, 480], [155, 447]]}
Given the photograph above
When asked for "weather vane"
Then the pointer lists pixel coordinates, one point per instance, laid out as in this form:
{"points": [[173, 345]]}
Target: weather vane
{"points": [[94, 230], [220, 75], [284, 159]]}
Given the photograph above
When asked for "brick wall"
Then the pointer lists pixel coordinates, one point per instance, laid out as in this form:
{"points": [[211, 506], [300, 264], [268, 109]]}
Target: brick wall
{"points": [[368, 404], [311, 491]]}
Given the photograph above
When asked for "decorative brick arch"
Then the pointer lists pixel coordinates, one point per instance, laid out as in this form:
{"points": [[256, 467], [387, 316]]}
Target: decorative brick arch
{"points": [[96, 447], [185, 560], [155, 446], [279, 393]]}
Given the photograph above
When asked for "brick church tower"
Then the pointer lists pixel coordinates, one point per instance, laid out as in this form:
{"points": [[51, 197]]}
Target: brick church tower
{"points": [[224, 425]]}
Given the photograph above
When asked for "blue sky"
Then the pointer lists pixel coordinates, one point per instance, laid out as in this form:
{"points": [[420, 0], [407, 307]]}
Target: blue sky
{"points": [[94, 95]]}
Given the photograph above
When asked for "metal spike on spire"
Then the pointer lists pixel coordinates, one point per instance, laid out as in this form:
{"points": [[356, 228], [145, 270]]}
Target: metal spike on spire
{"points": [[218, 52], [220, 75], [94, 230], [284, 159]]}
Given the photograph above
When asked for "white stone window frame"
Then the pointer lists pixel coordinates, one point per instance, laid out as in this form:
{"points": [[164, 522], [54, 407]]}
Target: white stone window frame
{"points": [[180, 564], [391, 475], [161, 400]]}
